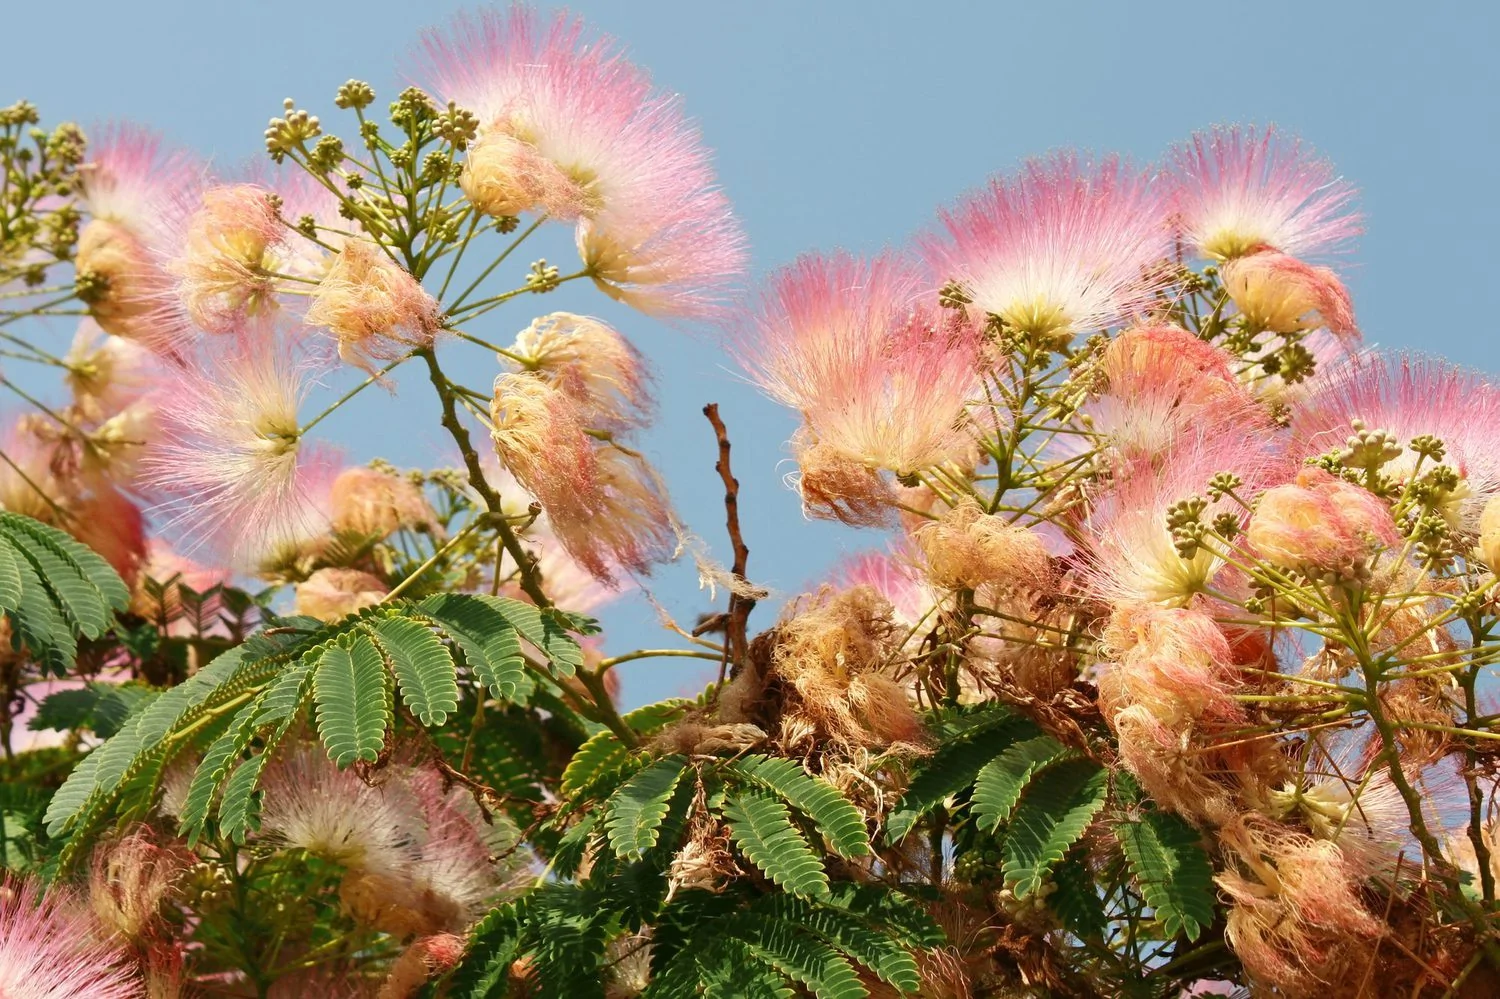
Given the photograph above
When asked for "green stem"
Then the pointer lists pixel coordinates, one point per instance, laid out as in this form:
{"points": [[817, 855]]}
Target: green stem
{"points": [[464, 295], [352, 393]]}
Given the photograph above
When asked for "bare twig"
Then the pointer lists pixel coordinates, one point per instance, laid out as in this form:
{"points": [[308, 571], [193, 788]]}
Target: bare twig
{"points": [[736, 641]]}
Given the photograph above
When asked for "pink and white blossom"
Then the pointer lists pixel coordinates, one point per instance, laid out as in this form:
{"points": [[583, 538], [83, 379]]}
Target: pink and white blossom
{"points": [[569, 126], [1065, 246], [1240, 189]]}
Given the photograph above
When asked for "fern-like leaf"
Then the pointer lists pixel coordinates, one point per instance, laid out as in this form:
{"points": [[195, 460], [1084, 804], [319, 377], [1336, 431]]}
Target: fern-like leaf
{"points": [[889, 960], [422, 664], [801, 956], [1077, 901], [1175, 875], [834, 815], [541, 629], [1058, 806], [236, 810], [999, 784], [491, 646], [953, 768], [493, 943], [354, 702], [762, 828], [212, 771], [638, 808]]}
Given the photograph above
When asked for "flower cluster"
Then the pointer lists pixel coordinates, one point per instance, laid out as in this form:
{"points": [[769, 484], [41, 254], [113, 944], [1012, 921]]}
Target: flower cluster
{"points": [[1168, 670]]}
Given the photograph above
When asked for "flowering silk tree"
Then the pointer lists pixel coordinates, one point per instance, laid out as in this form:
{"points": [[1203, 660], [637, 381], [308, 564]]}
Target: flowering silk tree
{"points": [[1164, 675]]}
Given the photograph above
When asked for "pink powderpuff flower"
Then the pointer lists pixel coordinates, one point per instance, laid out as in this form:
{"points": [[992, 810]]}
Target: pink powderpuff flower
{"points": [[1320, 522], [312, 805], [28, 485], [1281, 294], [592, 364], [1134, 558], [133, 190], [107, 373], [970, 548], [50, 948], [1296, 916], [1239, 190], [1067, 246], [131, 878], [896, 580], [567, 125], [1175, 661], [111, 524], [607, 507], [373, 307], [425, 958], [375, 503], [332, 594], [454, 855], [836, 487], [1161, 385], [860, 348], [228, 257], [1408, 397], [230, 461]]}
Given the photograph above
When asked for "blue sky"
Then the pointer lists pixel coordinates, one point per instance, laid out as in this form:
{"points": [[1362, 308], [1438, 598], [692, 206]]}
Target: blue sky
{"points": [[847, 124]]}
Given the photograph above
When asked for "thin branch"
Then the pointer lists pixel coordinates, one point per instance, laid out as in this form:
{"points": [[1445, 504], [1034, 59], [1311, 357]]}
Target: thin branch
{"points": [[736, 639]]}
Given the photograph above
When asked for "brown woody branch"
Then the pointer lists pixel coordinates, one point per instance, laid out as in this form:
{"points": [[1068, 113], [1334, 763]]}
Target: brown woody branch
{"points": [[736, 640]]}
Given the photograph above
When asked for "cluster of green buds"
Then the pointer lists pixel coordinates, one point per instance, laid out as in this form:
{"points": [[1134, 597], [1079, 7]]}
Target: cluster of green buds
{"points": [[398, 180], [39, 185]]}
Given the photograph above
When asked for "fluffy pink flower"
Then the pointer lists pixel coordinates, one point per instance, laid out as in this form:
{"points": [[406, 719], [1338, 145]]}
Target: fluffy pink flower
{"points": [[51, 949], [1409, 397], [130, 878], [569, 125], [1242, 189], [133, 190], [880, 375], [107, 373], [374, 503], [108, 522], [1064, 247], [231, 461], [454, 857], [332, 594], [1162, 384], [592, 364], [898, 582], [606, 506], [230, 246], [1134, 558], [312, 805], [1320, 522], [375, 309], [1281, 294], [1173, 660]]}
